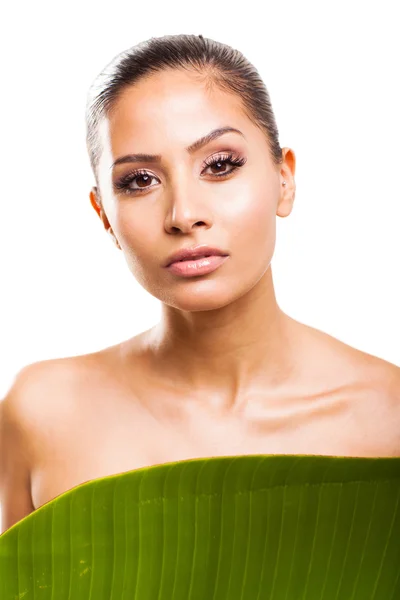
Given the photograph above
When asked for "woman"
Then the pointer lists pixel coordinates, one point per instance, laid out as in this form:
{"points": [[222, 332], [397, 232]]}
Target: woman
{"points": [[190, 177]]}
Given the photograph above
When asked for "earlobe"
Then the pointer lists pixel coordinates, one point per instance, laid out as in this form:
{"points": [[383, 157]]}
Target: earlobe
{"points": [[284, 209], [285, 205]]}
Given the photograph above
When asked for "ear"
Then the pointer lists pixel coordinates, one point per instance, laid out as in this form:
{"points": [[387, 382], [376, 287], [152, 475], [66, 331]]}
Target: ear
{"points": [[95, 200], [288, 191]]}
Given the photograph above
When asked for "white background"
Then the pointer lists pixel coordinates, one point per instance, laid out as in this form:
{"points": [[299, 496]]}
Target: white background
{"points": [[332, 73]]}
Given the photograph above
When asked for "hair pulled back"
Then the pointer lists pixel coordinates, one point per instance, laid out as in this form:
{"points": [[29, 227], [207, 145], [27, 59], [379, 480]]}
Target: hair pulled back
{"points": [[211, 63]]}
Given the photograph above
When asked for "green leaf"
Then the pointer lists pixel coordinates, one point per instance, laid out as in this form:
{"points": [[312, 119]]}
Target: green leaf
{"points": [[263, 527]]}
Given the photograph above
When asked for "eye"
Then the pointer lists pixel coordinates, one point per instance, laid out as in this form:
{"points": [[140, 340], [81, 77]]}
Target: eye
{"points": [[224, 161], [141, 176], [138, 177]]}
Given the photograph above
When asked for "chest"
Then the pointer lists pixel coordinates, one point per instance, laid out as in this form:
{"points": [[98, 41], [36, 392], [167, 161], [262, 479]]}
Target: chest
{"points": [[102, 442]]}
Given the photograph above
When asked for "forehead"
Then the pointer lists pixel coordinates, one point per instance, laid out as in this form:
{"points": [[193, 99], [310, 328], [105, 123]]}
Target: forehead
{"points": [[170, 107]]}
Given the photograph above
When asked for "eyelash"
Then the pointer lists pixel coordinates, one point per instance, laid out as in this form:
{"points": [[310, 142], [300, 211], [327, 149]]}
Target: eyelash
{"points": [[126, 180]]}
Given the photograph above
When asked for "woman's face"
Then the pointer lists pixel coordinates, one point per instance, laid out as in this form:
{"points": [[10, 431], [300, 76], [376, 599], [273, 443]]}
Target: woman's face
{"points": [[178, 201]]}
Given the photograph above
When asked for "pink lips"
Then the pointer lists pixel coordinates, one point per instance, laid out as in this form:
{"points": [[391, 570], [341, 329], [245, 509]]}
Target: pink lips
{"points": [[200, 266], [194, 253]]}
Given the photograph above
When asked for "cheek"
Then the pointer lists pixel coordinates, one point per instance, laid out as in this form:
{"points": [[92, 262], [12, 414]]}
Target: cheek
{"points": [[135, 233], [139, 235], [252, 220]]}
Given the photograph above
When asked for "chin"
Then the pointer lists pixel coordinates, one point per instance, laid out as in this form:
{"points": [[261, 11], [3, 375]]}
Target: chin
{"points": [[198, 305], [201, 293], [201, 296]]}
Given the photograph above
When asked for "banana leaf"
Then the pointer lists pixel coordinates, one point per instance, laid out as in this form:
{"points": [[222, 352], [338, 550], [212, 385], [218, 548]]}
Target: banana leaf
{"points": [[253, 527]]}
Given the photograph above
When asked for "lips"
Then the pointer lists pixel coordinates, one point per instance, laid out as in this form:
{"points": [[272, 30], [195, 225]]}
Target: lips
{"points": [[194, 253], [197, 268], [193, 257]]}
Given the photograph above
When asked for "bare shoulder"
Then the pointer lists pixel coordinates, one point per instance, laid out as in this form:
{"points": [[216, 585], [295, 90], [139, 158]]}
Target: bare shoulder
{"points": [[34, 387], [41, 386], [340, 363], [34, 399], [49, 391], [386, 376], [379, 411], [381, 379], [371, 385]]}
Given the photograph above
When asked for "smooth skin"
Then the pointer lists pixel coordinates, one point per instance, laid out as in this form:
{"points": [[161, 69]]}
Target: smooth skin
{"points": [[226, 371]]}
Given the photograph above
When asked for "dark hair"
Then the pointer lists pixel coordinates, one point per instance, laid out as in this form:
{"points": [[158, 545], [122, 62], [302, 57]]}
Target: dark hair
{"points": [[210, 62]]}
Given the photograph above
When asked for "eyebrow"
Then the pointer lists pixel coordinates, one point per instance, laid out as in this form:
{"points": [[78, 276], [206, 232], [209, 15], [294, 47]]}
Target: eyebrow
{"points": [[206, 139]]}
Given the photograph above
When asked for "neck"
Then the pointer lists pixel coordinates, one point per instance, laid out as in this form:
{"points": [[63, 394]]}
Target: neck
{"points": [[244, 347]]}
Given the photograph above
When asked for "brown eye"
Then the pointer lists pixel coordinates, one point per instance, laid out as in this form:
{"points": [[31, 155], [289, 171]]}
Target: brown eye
{"points": [[221, 162], [141, 178], [218, 165]]}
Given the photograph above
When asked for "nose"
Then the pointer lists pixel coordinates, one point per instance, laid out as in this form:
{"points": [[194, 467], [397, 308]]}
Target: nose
{"points": [[187, 210]]}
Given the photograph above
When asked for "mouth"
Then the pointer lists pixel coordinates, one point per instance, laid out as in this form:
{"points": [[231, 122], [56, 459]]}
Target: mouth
{"points": [[197, 267], [194, 253], [193, 258]]}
